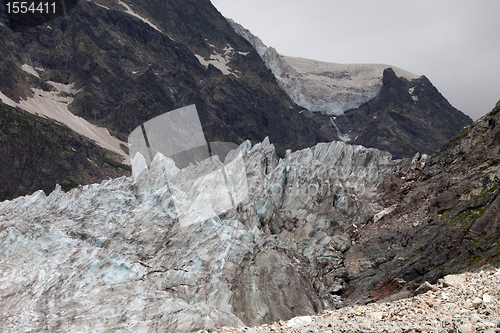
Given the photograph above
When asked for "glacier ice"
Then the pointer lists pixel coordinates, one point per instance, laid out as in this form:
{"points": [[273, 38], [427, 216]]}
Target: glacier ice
{"points": [[162, 248], [322, 86]]}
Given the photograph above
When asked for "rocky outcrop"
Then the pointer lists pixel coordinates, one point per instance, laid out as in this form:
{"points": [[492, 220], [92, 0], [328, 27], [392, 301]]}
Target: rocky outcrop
{"points": [[405, 118], [443, 219], [36, 154]]}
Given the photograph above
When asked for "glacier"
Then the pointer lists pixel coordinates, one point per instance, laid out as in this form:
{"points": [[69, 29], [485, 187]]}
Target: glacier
{"points": [[318, 86], [166, 250]]}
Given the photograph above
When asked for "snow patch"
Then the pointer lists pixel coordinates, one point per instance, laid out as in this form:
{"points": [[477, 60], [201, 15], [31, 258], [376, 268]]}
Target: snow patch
{"points": [[50, 104], [211, 45], [383, 213], [299, 321], [7, 100], [343, 137], [88, 159], [410, 91], [131, 12], [219, 61], [99, 4], [333, 87], [102, 6], [30, 70]]}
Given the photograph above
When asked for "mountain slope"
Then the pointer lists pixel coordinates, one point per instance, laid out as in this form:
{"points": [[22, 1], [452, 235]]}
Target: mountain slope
{"points": [[129, 65], [401, 113], [321, 86], [110, 66], [444, 217], [38, 153], [405, 117]]}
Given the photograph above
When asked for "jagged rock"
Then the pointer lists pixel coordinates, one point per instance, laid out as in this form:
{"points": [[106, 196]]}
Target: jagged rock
{"points": [[321, 86], [373, 105], [384, 122], [425, 287], [423, 238]]}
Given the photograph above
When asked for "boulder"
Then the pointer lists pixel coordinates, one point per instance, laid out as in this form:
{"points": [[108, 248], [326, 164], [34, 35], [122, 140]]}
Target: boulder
{"points": [[425, 287], [454, 281], [340, 243]]}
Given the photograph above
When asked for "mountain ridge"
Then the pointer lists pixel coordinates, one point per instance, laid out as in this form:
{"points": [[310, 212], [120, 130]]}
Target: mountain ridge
{"points": [[349, 95], [126, 66], [406, 117]]}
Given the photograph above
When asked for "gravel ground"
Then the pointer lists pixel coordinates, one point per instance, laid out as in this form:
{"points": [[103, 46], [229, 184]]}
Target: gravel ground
{"points": [[458, 303]]}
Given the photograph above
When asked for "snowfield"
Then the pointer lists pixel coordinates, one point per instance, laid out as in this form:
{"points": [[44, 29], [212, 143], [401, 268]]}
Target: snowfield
{"points": [[320, 86]]}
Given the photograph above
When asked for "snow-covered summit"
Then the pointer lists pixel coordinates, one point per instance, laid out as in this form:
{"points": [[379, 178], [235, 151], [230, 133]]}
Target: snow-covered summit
{"points": [[322, 86]]}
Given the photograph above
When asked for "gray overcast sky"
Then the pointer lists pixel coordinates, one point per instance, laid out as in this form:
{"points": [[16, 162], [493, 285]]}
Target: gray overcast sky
{"points": [[455, 43]]}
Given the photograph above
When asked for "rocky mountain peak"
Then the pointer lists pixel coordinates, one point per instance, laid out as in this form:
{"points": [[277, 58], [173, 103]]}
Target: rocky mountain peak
{"points": [[389, 77], [406, 117], [374, 105]]}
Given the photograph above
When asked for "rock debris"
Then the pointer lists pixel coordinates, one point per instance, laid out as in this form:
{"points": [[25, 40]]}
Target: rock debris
{"points": [[458, 303]]}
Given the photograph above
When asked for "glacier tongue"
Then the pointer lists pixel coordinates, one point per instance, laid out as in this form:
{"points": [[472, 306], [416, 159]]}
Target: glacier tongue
{"points": [[321, 86], [167, 247]]}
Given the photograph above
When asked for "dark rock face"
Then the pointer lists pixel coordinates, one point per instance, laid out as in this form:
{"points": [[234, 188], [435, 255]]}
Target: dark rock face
{"points": [[440, 217], [445, 218], [406, 117], [127, 71], [131, 72], [37, 153]]}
